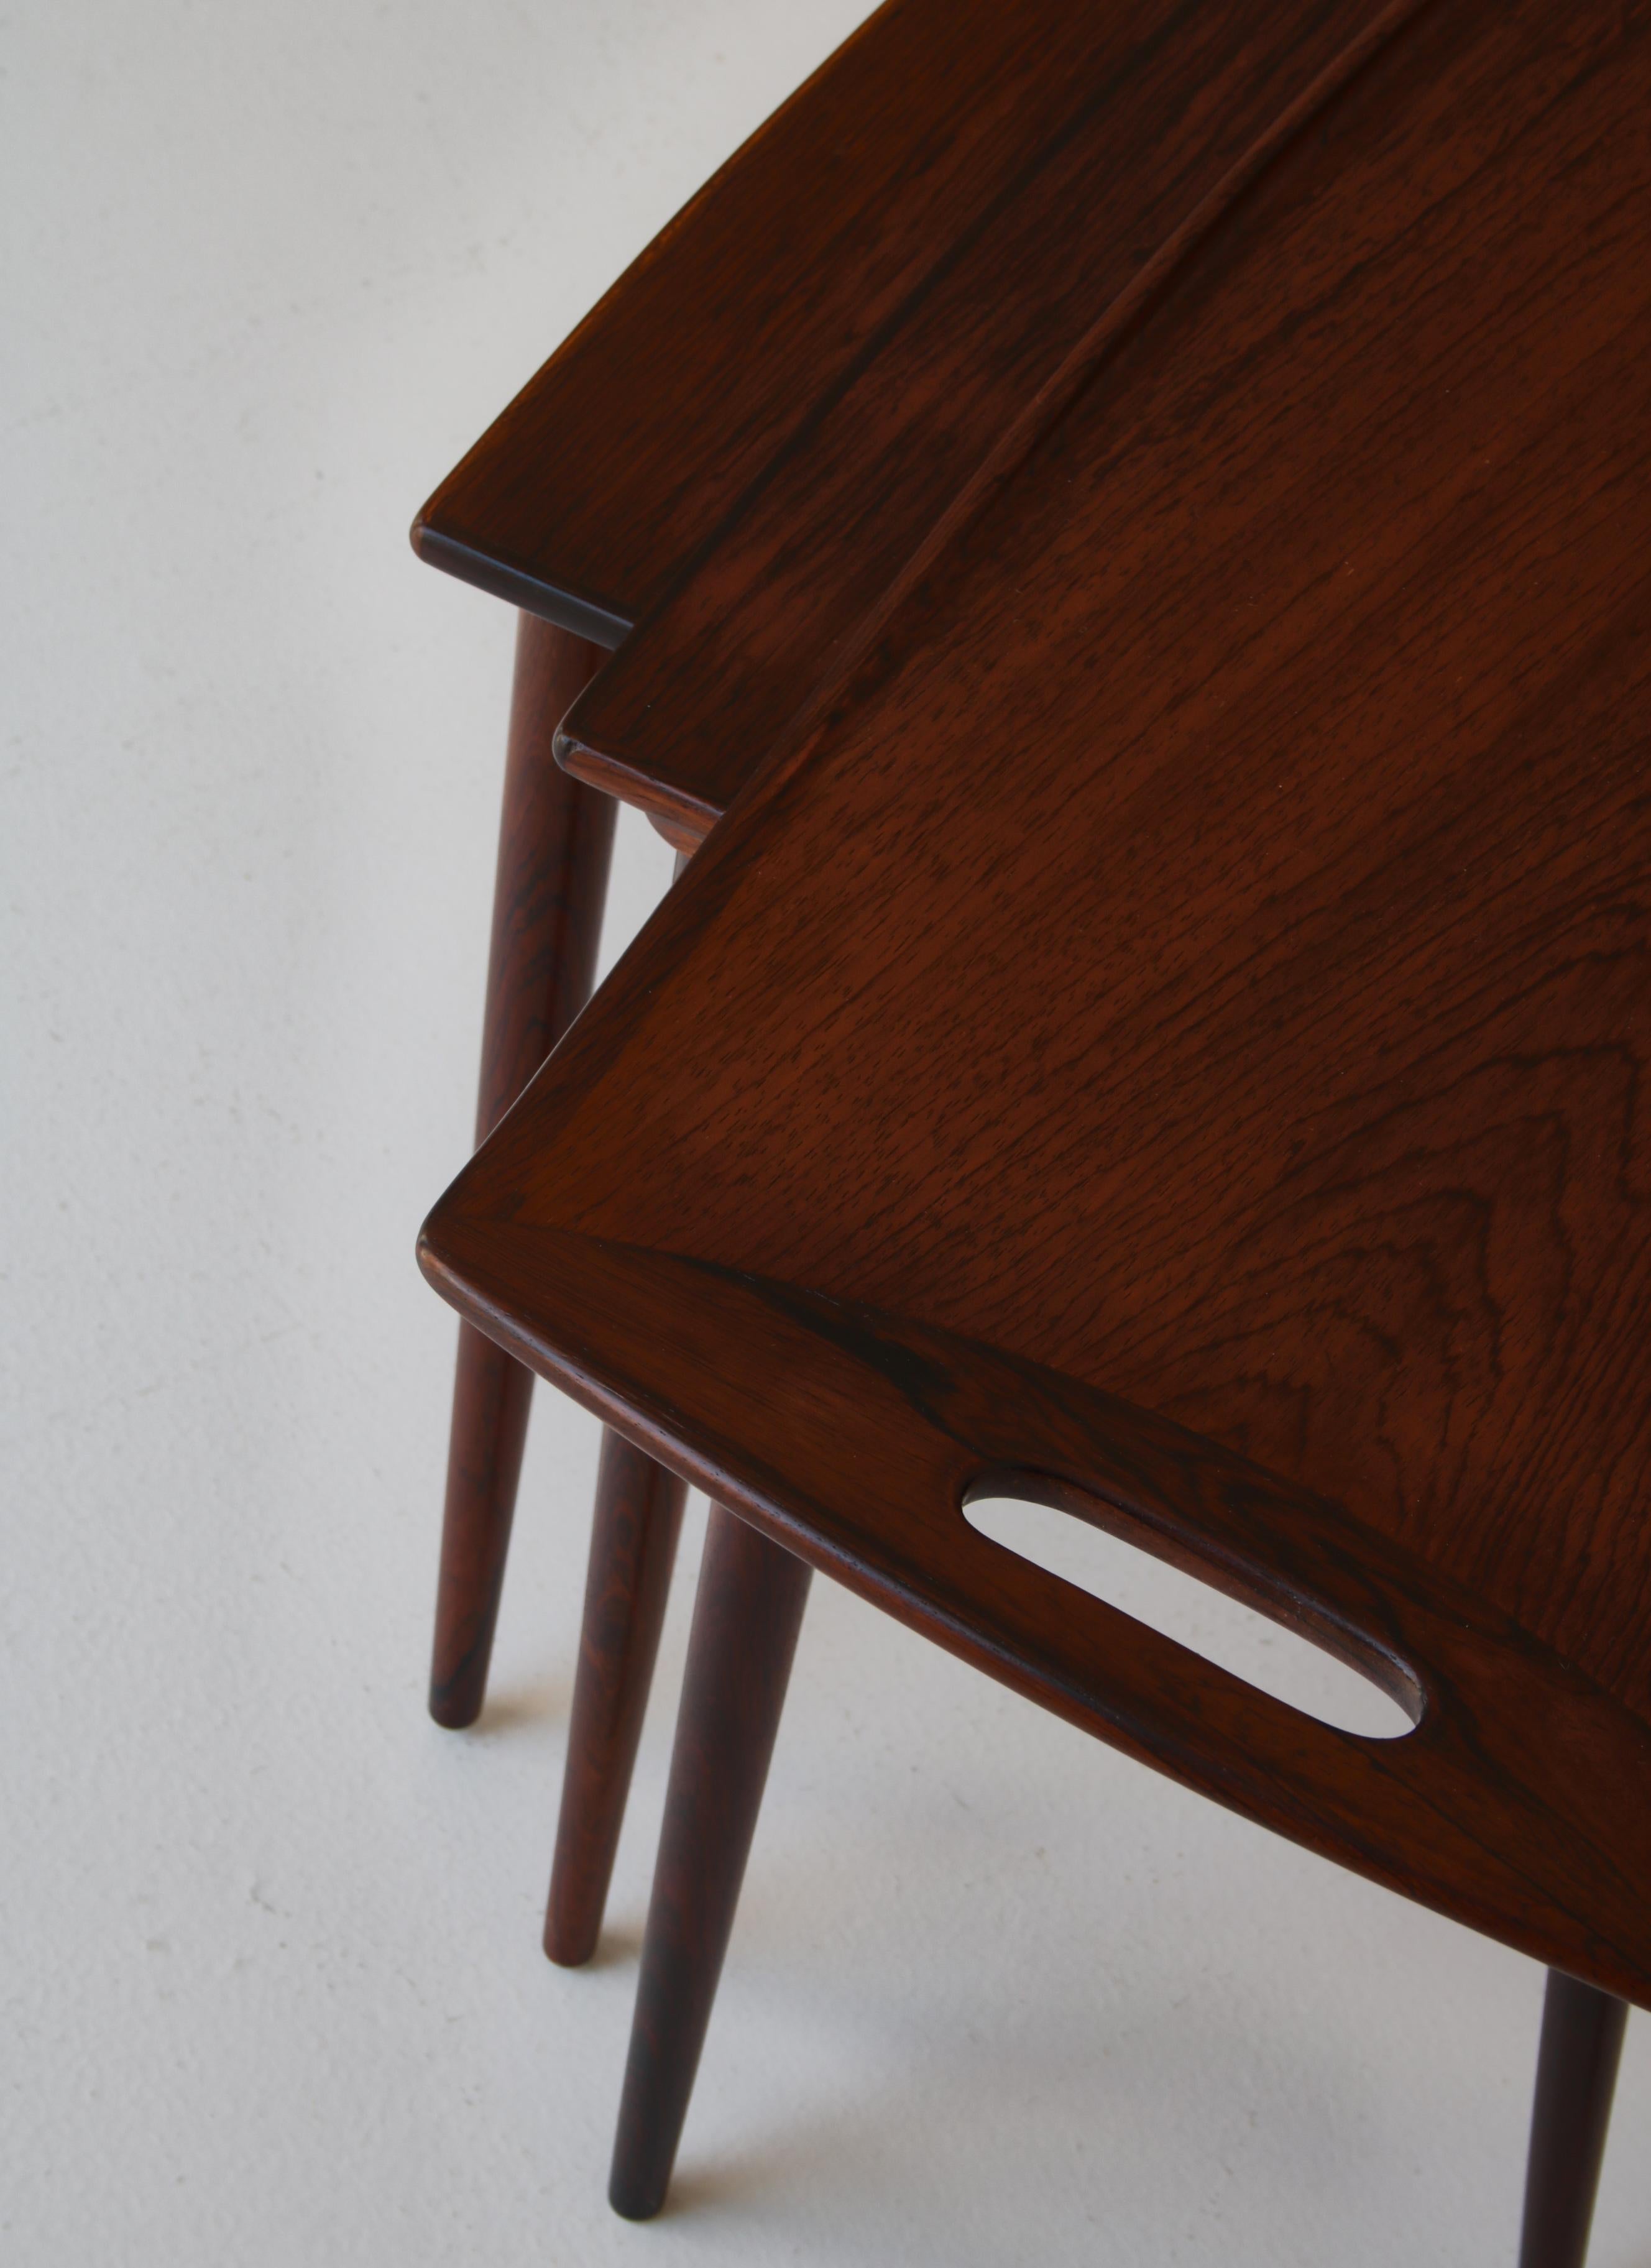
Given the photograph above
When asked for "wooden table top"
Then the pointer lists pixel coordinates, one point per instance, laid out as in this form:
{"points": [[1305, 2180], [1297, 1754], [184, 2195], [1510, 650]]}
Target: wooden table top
{"points": [[791, 388], [1165, 1017]]}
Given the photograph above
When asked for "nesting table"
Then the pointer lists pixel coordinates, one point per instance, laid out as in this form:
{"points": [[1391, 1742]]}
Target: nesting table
{"points": [[1128, 549]]}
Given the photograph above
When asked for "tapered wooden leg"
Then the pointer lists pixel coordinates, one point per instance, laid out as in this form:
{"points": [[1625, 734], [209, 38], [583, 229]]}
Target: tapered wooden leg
{"points": [[745, 1620], [1583, 2031], [633, 1546], [554, 847]]}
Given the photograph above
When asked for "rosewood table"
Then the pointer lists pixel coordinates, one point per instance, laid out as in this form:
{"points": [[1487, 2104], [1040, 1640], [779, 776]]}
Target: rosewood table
{"points": [[1163, 1026], [792, 392]]}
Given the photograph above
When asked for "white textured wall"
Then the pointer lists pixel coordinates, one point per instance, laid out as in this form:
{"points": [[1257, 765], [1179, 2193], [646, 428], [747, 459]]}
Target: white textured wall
{"points": [[272, 1987]]}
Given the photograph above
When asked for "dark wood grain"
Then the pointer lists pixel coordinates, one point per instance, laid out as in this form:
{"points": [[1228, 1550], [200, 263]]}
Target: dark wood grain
{"points": [[746, 1617], [633, 1548], [1167, 113], [1171, 1017], [786, 394], [555, 846], [491, 1398], [853, 1438], [1576, 2076]]}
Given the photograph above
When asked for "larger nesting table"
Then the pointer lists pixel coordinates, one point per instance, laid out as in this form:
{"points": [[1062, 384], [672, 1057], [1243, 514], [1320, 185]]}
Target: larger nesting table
{"points": [[1164, 1024]]}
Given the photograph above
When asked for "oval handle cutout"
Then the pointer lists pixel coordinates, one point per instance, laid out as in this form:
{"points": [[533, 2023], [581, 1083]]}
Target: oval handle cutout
{"points": [[1247, 1645]]}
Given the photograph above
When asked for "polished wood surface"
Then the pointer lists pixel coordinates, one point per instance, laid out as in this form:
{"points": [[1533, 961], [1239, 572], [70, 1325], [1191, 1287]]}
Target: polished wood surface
{"points": [[789, 393], [747, 1616], [633, 1548], [1576, 2075], [555, 846], [1167, 1017], [638, 1518]]}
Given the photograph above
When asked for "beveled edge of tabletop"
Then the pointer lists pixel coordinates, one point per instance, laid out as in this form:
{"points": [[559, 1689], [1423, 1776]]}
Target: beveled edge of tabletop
{"points": [[611, 496], [853, 1438]]}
